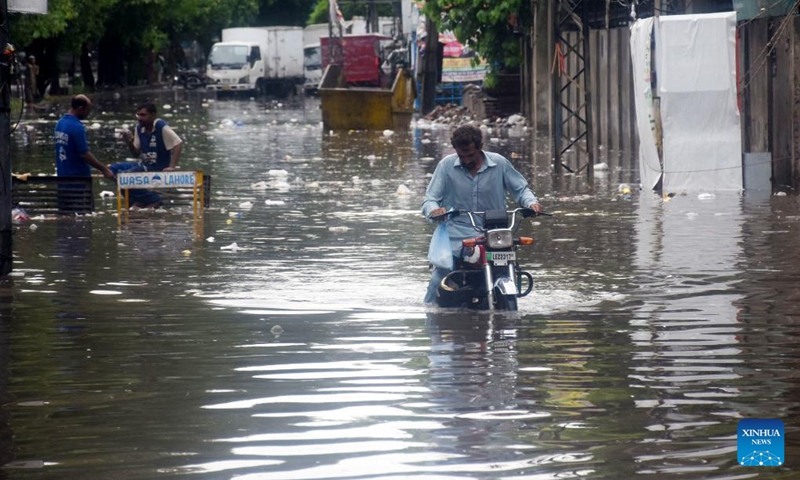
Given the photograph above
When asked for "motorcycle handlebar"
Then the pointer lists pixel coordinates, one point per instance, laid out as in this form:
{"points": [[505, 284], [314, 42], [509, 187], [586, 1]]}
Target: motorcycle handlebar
{"points": [[526, 212]]}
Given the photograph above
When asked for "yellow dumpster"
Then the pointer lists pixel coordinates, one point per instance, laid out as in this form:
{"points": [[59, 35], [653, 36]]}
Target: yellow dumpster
{"points": [[366, 108]]}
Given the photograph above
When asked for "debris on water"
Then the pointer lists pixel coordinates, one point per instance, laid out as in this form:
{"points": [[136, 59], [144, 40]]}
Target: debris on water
{"points": [[427, 159], [106, 194], [95, 126], [234, 214], [706, 196], [281, 185], [276, 330], [338, 229], [388, 133], [494, 140], [211, 240], [33, 227], [246, 205], [232, 247], [229, 222], [259, 185], [19, 215], [278, 173], [601, 166], [403, 190], [167, 106], [692, 215], [274, 202], [780, 194], [187, 252]]}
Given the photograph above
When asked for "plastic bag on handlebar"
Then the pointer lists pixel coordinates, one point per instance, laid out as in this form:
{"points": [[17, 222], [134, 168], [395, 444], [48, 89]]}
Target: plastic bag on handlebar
{"points": [[440, 254]]}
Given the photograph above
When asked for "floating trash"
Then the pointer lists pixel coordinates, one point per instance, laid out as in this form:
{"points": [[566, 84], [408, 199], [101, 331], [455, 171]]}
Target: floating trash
{"points": [[211, 240], [338, 229], [246, 205], [278, 173], [706, 196], [276, 330], [232, 247], [402, 190], [107, 194], [259, 186], [388, 133], [274, 202]]}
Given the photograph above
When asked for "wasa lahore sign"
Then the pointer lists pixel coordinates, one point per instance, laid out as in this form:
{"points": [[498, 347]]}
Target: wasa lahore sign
{"points": [[156, 180], [28, 6]]}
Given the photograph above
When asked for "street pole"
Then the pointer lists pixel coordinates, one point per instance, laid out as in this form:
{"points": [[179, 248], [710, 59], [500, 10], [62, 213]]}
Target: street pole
{"points": [[430, 73], [6, 249]]}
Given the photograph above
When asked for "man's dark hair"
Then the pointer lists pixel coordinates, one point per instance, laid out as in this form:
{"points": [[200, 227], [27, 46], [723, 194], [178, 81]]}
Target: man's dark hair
{"points": [[79, 101], [149, 106], [467, 135]]}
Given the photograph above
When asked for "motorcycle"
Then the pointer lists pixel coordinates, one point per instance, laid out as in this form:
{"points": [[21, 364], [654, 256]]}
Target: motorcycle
{"points": [[189, 79], [487, 275]]}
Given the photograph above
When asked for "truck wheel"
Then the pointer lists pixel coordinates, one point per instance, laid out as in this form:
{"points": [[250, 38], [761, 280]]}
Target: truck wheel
{"points": [[261, 87]]}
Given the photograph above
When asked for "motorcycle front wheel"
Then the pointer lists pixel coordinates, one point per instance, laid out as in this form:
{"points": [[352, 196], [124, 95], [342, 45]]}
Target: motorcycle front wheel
{"points": [[505, 302], [193, 82]]}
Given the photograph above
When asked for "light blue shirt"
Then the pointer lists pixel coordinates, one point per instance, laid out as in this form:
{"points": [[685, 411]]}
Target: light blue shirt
{"points": [[452, 186]]}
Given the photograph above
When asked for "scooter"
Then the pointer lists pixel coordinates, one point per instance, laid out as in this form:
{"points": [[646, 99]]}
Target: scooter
{"points": [[189, 79], [487, 275]]}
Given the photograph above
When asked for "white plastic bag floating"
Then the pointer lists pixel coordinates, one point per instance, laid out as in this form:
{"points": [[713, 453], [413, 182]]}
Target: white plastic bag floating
{"points": [[440, 254]]}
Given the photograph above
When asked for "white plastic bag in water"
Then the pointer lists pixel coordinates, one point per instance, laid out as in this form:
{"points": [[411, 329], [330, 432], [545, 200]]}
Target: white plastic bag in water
{"points": [[440, 254]]}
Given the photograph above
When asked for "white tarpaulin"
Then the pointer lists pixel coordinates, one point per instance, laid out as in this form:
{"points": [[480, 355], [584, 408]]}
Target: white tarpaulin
{"points": [[641, 53], [699, 110], [28, 6]]}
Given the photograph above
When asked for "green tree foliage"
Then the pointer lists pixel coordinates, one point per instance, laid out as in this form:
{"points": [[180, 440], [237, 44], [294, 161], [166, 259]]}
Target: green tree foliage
{"points": [[136, 26], [349, 10], [490, 27]]}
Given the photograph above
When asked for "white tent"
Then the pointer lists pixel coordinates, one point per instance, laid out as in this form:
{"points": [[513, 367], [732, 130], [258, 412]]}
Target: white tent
{"points": [[696, 80]]}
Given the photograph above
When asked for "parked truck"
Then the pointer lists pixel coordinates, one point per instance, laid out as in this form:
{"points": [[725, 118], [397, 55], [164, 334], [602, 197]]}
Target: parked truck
{"points": [[267, 60]]}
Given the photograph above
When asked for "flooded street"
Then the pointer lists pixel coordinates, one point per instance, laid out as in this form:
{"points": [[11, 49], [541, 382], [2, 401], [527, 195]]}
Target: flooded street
{"points": [[283, 335]]}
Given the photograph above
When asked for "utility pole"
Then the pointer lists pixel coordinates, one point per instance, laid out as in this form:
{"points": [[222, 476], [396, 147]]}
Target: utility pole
{"points": [[6, 249], [431, 65]]}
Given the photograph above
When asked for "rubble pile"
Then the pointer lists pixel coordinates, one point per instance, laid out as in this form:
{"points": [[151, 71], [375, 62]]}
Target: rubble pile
{"points": [[452, 114]]}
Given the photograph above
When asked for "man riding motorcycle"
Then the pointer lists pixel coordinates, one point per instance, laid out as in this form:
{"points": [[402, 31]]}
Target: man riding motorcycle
{"points": [[473, 180]]}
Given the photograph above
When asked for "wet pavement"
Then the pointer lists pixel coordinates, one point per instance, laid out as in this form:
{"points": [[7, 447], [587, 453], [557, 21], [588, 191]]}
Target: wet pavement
{"points": [[283, 336]]}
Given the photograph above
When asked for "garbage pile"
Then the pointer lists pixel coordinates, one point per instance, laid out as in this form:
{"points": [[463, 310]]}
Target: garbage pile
{"points": [[453, 114]]}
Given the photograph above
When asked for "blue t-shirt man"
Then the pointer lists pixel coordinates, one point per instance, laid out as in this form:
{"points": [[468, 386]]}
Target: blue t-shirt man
{"points": [[73, 157], [71, 145]]}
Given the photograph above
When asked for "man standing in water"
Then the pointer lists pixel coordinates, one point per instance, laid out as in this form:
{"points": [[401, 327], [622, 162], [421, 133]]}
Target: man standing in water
{"points": [[474, 180], [73, 158], [158, 148]]}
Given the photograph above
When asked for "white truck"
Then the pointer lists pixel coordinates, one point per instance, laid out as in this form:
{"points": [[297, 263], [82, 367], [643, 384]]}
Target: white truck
{"points": [[267, 60], [312, 62]]}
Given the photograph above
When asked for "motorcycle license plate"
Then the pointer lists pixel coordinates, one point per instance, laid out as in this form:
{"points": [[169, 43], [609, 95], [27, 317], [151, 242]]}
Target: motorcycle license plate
{"points": [[501, 258]]}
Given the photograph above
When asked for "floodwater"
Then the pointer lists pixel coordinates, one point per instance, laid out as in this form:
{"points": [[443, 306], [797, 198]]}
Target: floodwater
{"points": [[295, 346]]}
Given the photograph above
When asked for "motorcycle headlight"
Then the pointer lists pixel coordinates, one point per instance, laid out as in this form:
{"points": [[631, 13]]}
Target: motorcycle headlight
{"points": [[499, 239]]}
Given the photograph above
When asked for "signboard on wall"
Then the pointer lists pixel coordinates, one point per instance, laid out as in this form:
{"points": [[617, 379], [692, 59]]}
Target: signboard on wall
{"points": [[28, 6]]}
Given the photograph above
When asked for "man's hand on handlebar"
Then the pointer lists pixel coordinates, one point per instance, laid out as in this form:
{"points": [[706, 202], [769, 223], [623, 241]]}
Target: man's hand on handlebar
{"points": [[438, 211], [536, 207]]}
